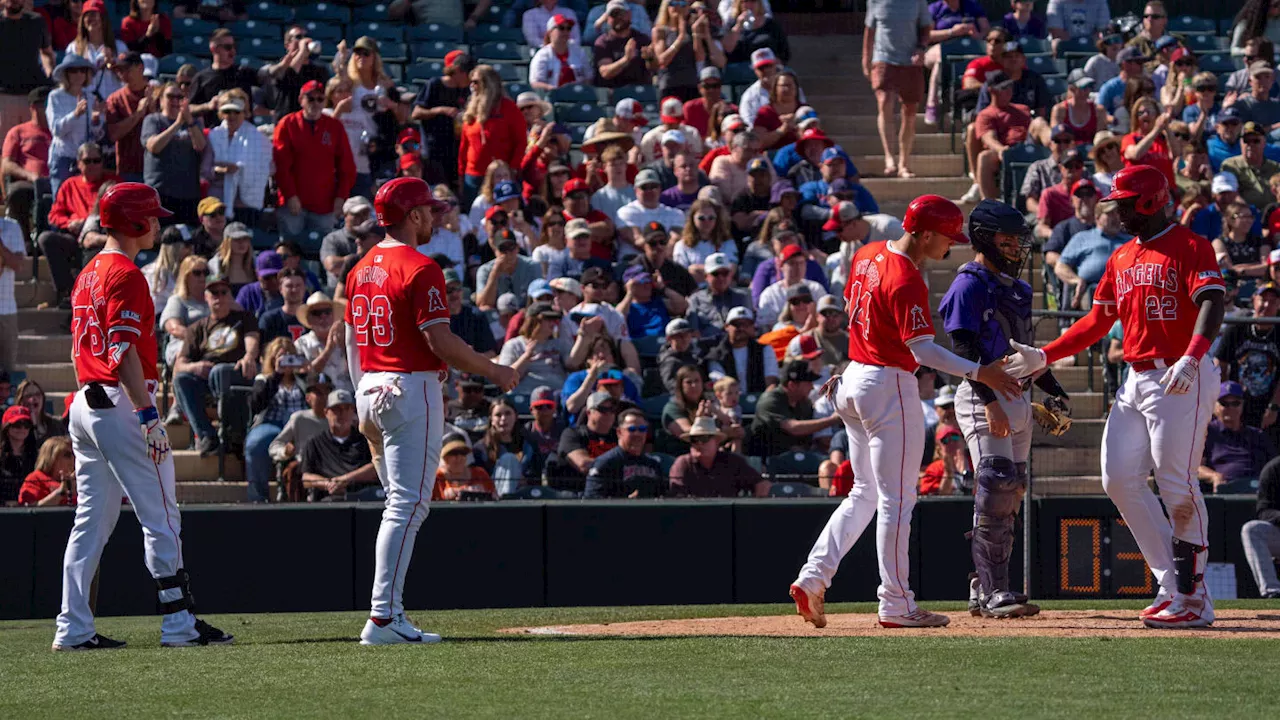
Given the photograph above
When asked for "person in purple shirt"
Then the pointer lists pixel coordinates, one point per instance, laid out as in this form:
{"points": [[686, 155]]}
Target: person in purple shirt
{"points": [[1023, 23], [263, 295], [770, 271], [689, 180], [951, 19], [1233, 450]]}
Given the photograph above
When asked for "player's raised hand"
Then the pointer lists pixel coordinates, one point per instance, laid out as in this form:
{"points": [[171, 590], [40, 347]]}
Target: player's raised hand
{"points": [[1178, 379], [995, 377], [1025, 360]]}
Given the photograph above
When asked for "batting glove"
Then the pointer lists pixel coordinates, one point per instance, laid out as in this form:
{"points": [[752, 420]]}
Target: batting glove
{"points": [[1025, 360], [153, 434], [1178, 379], [384, 396]]}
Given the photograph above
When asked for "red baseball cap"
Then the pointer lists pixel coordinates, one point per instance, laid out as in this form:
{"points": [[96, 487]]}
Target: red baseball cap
{"points": [[791, 251], [1083, 183], [409, 135], [311, 86], [456, 59], [814, 133], [561, 19], [408, 160], [16, 413], [575, 185], [671, 111], [808, 347]]}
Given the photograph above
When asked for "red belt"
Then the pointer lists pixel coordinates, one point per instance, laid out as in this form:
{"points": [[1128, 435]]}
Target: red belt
{"points": [[1157, 364]]}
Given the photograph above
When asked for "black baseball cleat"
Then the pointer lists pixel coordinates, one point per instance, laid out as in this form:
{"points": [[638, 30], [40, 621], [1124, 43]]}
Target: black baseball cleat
{"points": [[97, 642], [209, 635]]}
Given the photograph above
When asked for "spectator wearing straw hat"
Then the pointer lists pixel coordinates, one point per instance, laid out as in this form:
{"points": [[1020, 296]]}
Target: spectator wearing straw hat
{"points": [[325, 351], [709, 471]]}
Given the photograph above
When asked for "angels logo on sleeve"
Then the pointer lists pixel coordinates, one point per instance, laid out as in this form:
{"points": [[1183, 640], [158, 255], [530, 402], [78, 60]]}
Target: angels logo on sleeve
{"points": [[434, 302], [919, 321]]}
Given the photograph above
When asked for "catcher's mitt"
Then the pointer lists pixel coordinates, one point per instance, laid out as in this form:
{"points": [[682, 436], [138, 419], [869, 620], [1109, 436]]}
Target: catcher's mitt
{"points": [[1052, 415]]}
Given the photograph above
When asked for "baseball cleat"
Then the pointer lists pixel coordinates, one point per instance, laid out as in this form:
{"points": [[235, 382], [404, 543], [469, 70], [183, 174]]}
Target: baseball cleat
{"points": [[97, 642], [809, 606], [975, 596], [1180, 615], [397, 632], [920, 618], [206, 635], [1004, 605], [1158, 605]]}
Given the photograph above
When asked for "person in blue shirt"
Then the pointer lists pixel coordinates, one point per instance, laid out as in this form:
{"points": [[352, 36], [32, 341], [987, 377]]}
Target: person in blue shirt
{"points": [[645, 306], [834, 170], [602, 370], [1226, 143], [1207, 100], [1022, 22], [1084, 259], [1111, 94], [1207, 223]]}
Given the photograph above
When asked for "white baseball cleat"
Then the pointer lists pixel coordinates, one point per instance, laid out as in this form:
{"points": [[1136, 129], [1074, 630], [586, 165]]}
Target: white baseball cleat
{"points": [[1161, 602], [920, 618], [397, 632], [809, 606], [1181, 614]]}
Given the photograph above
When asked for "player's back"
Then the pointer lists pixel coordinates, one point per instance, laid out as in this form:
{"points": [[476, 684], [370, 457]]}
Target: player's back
{"points": [[394, 293], [111, 310], [888, 307]]}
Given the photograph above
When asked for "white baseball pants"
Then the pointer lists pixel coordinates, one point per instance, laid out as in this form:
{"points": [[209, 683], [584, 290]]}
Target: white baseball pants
{"points": [[1147, 431], [881, 410], [412, 430], [112, 462]]}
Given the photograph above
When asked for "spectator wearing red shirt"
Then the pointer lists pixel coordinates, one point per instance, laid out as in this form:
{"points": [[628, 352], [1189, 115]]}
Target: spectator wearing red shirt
{"points": [[493, 128], [1055, 200], [729, 127], [577, 204], [314, 166], [61, 243], [1147, 145], [975, 73], [53, 482], [24, 163], [951, 461], [998, 127], [146, 30], [63, 19], [125, 109], [699, 111], [775, 122]]}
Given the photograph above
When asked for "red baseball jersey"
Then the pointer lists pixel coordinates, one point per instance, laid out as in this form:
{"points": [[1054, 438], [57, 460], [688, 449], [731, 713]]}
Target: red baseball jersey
{"points": [[888, 307], [1154, 286], [111, 311], [393, 294]]}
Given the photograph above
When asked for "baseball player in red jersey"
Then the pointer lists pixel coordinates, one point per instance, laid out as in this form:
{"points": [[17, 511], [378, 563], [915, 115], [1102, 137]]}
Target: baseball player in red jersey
{"points": [[114, 350], [890, 335], [398, 346], [1166, 289]]}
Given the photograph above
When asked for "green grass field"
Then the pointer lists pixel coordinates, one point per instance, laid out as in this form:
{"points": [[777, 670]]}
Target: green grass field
{"points": [[309, 665]]}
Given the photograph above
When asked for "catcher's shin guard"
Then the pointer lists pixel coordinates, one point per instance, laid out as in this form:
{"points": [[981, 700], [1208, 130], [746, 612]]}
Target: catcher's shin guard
{"points": [[996, 504]]}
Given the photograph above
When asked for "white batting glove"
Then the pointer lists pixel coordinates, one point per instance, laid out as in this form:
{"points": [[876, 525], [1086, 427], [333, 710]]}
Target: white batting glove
{"points": [[153, 434], [1025, 360], [1178, 379], [384, 395]]}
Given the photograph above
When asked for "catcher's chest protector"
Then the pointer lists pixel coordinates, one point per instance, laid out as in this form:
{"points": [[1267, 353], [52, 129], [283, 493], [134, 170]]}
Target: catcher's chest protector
{"points": [[1011, 309]]}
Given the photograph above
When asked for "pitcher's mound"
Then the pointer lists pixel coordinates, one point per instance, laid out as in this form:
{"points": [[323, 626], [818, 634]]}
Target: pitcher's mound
{"points": [[1050, 623]]}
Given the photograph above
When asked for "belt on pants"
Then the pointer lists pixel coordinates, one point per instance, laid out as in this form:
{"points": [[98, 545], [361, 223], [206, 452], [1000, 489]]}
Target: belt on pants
{"points": [[1157, 364]]}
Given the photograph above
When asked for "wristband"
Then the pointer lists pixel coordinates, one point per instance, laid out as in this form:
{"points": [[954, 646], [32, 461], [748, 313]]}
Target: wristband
{"points": [[146, 414], [1198, 346]]}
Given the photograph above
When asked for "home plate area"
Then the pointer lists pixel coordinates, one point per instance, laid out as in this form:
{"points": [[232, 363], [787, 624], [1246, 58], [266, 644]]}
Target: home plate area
{"points": [[1049, 623]]}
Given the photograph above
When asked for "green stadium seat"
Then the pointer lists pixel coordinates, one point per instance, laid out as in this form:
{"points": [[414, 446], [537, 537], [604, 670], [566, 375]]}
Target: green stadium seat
{"points": [[193, 26], [436, 31], [576, 132], [433, 49], [647, 346], [1191, 25], [381, 31], [501, 50], [264, 239], [268, 11], [794, 464], [747, 403], [494, 33], [641, 93], [255, 28], [323, 12]]}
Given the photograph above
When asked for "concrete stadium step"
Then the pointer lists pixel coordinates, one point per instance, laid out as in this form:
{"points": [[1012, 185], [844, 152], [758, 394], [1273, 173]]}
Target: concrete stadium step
{"points": [[908, 190], [39, 348], [203, 493], [867, 142], [189, 466], [54, 377], [872, 165], [829, 52], [41, 265], [1067, 461], [838, 121], [30, 293], [1083, 434], [42, 322], [821, 84], [1047, 485], [1084, 405]]}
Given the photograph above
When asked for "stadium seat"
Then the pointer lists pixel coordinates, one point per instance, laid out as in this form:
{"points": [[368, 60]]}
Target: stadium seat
{"points": [[380, 31], [423, 71], [573, 93], [641, 93], [652, 406], [795, 490], [665, 460], [193, 26], [169, 64], [1034, 46], [1046, 66], [322, 12], [738, 74], [436, 31], [747, 403], [1202, 44], [507, 72], [264, 239], [373, 493], [521, 401], [15, 379], [494, 33], [794, 464], [514, 89], [538, 492], [576, 132], [504, 51], [1191, 25], [320, 30], [255, 28], [262, 47], [647, 346], [376, 12], [1218, 63], [193, 45], [1013, 168], [265, 10], [253, 63], [1057, 85], [433, 49]]}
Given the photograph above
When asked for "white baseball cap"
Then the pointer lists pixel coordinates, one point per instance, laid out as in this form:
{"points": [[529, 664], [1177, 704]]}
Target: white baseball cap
{"points": [[716, 261], [1224, 182], [673, 136], [763, 56], [946, 396], [739, 313]]}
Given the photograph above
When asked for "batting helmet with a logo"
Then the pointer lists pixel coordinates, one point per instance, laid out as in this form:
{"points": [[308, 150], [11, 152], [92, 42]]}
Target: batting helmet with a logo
{"points": [[1143, 182], [128, 208], [935, 213], [400, 196]]}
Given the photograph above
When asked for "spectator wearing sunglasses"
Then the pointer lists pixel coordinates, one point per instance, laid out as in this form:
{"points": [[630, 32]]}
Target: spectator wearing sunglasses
{"points": [[315, 169], [1155, 21], [636, 218], [1055, 200], [1077, 18], [224, 74], [1105, 65], [185, 306], [1237, 84], [1201, 115], [1233, 449], [174, 141], [1252, 169], [626, 471], [75, 202], [1257, 104], [655, 258], [287, 76]]}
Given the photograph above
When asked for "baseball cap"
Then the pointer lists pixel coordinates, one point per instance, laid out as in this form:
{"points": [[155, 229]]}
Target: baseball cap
{"points": [[763, 56], [216, 279], [840, 186], [732, 123], [803, 115], [798, 371], [1252, 128], [677, 326], [311, 86], [815, 133], [458, 60], [946, 396], [1084, 184], [829, 303], [558, 167], [1166, 41], [1268, 286], [647, 176], [559, 19], [831, 154], [493, 211], [1131, 54], [269, 263], [355, 204], [364, 42], [804, 346], [616, 6], [599, 399], [671, 111], [543, 309], [1224, 182], [1061, 130], [209, 206], [1077, 78], [781, 188], [654, 230], [470, 380], [758, 165], [592, 275], [508, 303], [16, 413], [505, 240], [1228, 389], [998, 80], [340, 397], [791, 251], [1230, 114], [1181, 53], [408, 135], [1260, 67], [610, 377], [567, 284], [231, 104], [1071, 156], [638, 274], [542, 395], [744, 313], [630, 109], [454, 445], [843, 213], [504, 191], [539, 288], [576, 228], [451, 277], [716, 262], [946, 433], [710, 72], [575, 185], [799, 291], [235, 230], [673, 136]]}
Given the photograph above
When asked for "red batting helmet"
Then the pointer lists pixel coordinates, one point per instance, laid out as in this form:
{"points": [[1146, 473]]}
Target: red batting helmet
{"points": [[1143, 182], [128, 208], [936, 213], [398, 197]]}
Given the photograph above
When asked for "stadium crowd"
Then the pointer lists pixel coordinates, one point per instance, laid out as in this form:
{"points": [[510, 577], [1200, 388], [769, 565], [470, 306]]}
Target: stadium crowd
{"points": [[645, 217]]}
